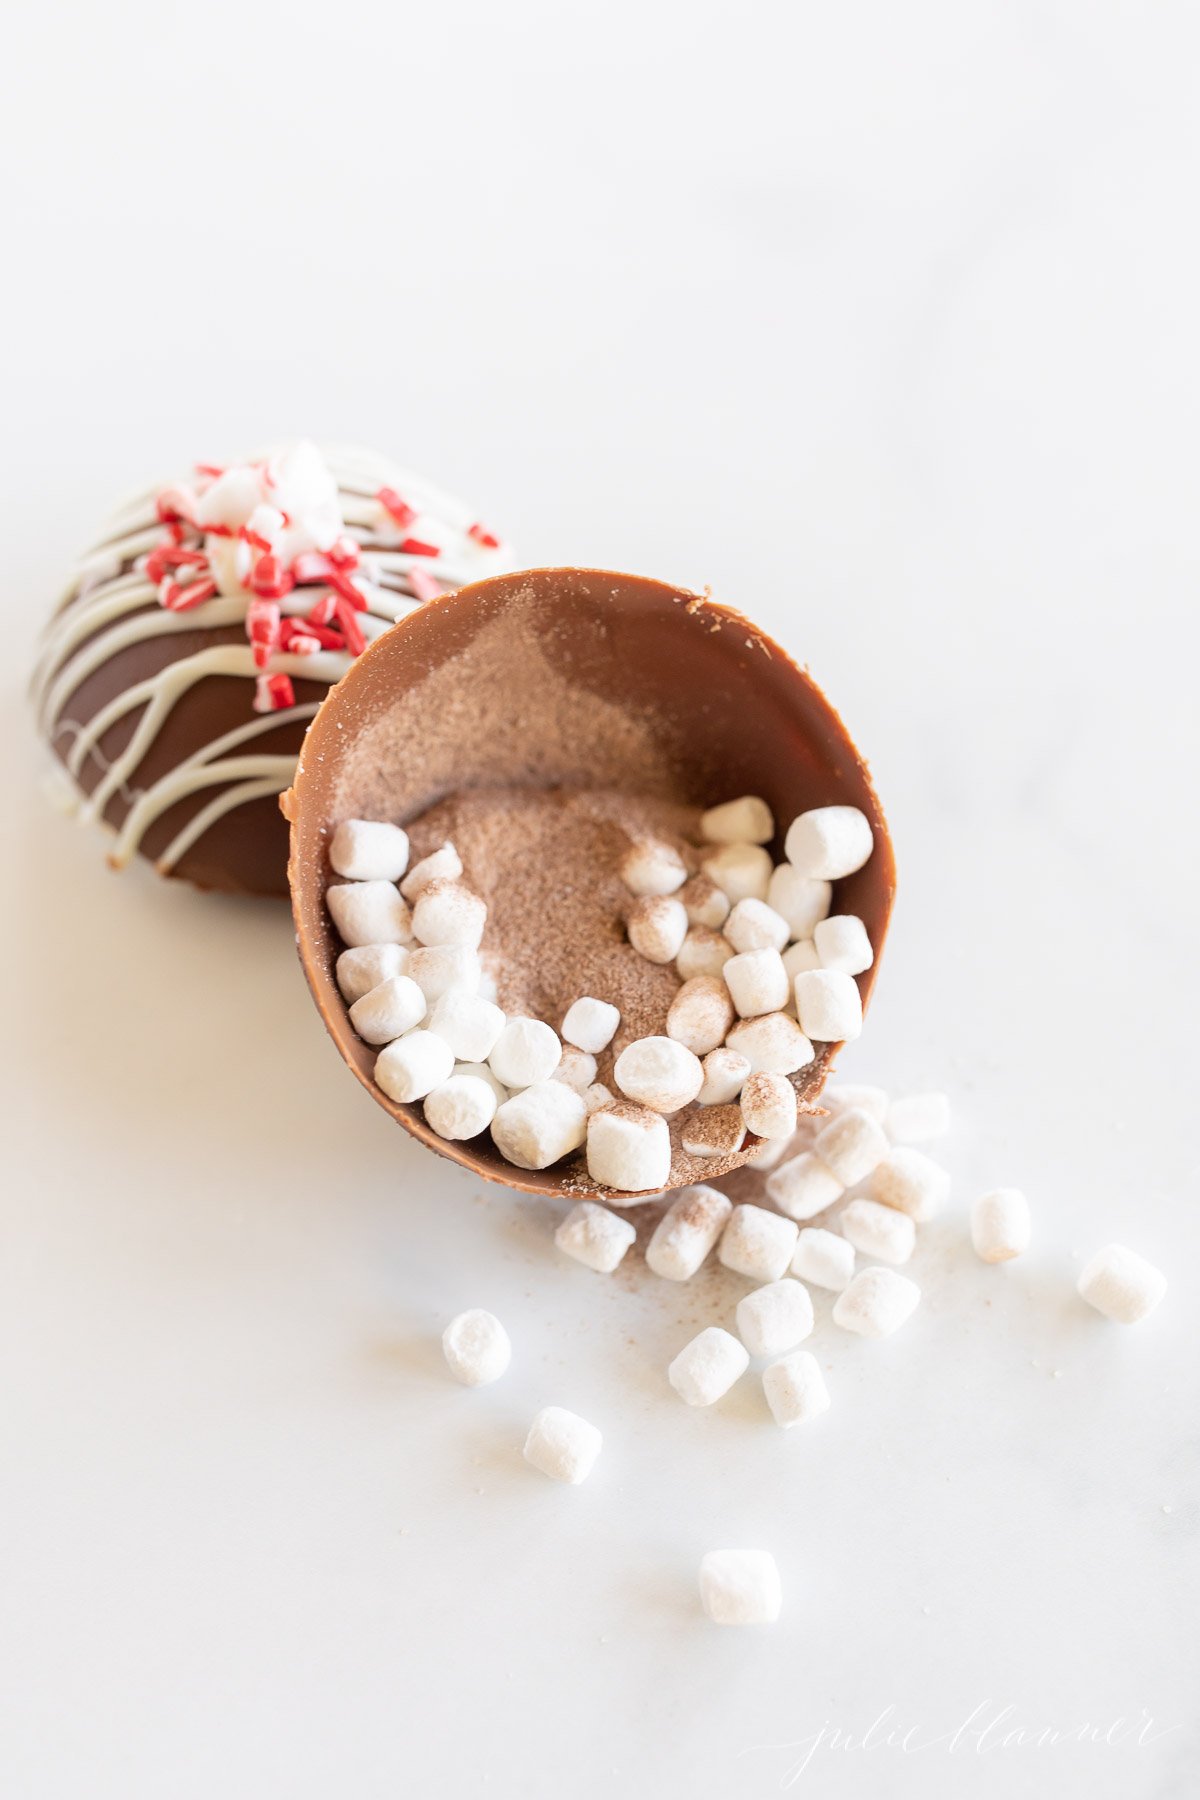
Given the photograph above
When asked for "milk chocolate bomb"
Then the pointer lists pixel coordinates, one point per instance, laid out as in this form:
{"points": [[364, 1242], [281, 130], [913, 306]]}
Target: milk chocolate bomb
{"points": [[196, 639], [553, 684]]}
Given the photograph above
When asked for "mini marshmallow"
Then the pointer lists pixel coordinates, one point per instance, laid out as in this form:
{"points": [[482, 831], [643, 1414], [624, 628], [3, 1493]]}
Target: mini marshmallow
{"points": [[444, 966], [909, 1181], [577, 1068], [799, 958], [702, 952], [704, 902], [708, 1366], [649, 868], [769, 1105], [795, 1389], [597, 1096], [485, 1074], [388, 1011], [768, 1153], [823, 1258], [358, 971], [657, 926], [725, 1073], [757, 982], [740, 1587], [803, 1186], [700, 1014], [917, 1118], [658, 1073], [829, 1006], [687, 1232], [844, 1094], [1000, 1226], [745, 821], [527, 1050], [540, 1125], [368, 850], [801, 901], [753, 925], [443, 864], [714, 1131], [461, 1107], [562, 1445], [879, 1231], [408, 1069], [594, 1236], [842, 943], [468, 1024], [852, 1144], [476, 1347], [368, 912], [757, 1243], [830, 842], [876, 1303], [775, 1318], [1121, 1284], [590, 1024], [741, 871], [773, 1044], [446, 912], [629, 1149]]}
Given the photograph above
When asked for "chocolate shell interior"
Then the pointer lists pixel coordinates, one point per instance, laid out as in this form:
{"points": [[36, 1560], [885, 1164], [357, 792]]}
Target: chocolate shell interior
{"points": [[569, 678]]}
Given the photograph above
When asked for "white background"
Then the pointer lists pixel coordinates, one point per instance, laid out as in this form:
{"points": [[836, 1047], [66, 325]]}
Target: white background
{"points": [[882, 320]]}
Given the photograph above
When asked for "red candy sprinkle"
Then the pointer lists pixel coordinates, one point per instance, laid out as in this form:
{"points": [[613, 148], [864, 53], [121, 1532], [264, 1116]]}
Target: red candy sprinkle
{"points": [[321, 611], [482, 535], [398, 509], [423, 584], [273, 692], [417, 547], [182, 599], [347, 618], [271, 579]]}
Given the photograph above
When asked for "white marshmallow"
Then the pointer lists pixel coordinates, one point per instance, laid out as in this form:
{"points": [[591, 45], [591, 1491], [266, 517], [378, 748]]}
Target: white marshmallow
{"points": [[657, 926], [852, 1144], [597, 1096], [629, 1149], [801, 901], [713, 1131], [725, 1072], [468, 1024], [768, 1153], [775, 1318], [740, 1587], [443, 864], [388, 1011], [757, 1243], [917, 1118], [659, 1073], [769, 1105], [438, 969], [830, 842], [753, 925], [485, 1074], [446, 912], [594, 1236], [700, 1014], [876, 1303], [799, 958], [408, 1069], [823, 1258], [909, 1181], [368, 850], [687, 1232], [562, 1445], [745, 821], [368, 912], [461, 1107], [879, 1231], [1000, 1227], [803, 1186], [476, 1347], [1121, 1284], [704, 902], [577, 1068], [773, 1044], [527, 1050], [649, 867], [829, 1006], [844, 1094], [702, 952], [358, 971], [795, 1389], [708, 1366], [590, 1024], [741, 871], [540, 1125], [842, 943], [757, 981]]}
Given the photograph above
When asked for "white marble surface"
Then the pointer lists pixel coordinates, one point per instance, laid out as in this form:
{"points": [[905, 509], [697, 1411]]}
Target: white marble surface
{"points": [[881, 320]]}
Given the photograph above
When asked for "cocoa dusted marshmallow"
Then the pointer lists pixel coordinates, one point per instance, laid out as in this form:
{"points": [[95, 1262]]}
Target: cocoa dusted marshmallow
{"points": [[802, 1187], [540, 1125], [469, 1024], [773, 1044], [769, 1105], [658, 1073], [911, 1182], [757, 1243], [461, 1108], [798, 899], [368, 850], [476, 1347], [745, 821], [829, 843], [707, 1368], [657, 926], [1121, 1284], [595, 1237], [775, 1318], [597, 1096], [358, 971], [442, 864], [527, 1050], [704, 902], [740, 1587], [687, 1232], [876, 1303], [446, 912], [757, 982], [388, 1011], [741, 871], [842, 943], [577, 1068], [590, 1024], [829, 1006], [852, 1144], [368, 912], [753, 925], [700, 1014], [438, 969], [823, 1258], [702, 952], [714, 1131], [629, 1149], [879, 1231], [1000, 1227], [799, 958], [725, 1073], [650, 867], [795, 1389], [562, 1445]]}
